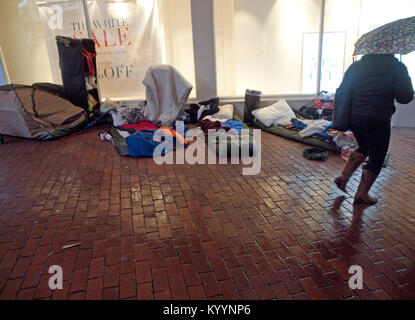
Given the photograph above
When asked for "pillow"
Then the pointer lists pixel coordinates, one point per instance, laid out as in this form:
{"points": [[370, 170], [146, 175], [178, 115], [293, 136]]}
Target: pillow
{"points": [[225, 113], [128, 114], [279, 113]]}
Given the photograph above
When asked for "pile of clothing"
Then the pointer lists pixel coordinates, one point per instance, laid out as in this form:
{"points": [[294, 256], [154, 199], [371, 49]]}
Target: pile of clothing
{"points": [[197, 111], [235, 126], [312, 128], [322, 129], [167, 92], [222, 119], [307, 123], [135, 125], [229, 134], [142, 142], [310, 112]]}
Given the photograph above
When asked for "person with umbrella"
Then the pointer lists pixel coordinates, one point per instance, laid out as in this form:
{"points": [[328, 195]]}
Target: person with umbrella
{"points": [[372, 84]]}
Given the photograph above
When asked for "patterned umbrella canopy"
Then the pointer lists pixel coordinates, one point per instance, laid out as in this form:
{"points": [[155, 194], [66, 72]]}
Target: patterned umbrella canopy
{"points": [[397, 37]]}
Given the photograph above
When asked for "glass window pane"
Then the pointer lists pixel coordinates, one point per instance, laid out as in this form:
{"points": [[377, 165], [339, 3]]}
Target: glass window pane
{"points": [[177, 45], [409, 61], [130, 36], [23, 42], [260, 45]]}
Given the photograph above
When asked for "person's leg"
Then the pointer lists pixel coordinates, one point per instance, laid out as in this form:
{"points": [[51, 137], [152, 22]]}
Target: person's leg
{"points": [[378, 141], [361, 133], [357, 157]]}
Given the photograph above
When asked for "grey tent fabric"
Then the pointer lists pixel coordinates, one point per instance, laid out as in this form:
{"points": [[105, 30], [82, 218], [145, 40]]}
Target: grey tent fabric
{"points": [[33, 113]]}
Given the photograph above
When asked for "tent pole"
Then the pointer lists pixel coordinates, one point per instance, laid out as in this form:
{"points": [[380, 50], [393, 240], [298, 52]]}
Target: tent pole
{"points": [[320, 46]]}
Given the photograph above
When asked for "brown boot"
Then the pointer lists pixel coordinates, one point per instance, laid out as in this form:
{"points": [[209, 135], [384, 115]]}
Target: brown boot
{"points": [[362, 194], [354, 161]]}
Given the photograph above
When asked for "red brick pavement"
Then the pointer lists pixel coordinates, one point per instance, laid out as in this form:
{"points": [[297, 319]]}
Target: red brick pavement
{"points": [[201, 231]]}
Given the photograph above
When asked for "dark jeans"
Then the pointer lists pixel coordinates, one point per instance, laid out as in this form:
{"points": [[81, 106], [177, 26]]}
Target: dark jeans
{"points": [[373, 136]]}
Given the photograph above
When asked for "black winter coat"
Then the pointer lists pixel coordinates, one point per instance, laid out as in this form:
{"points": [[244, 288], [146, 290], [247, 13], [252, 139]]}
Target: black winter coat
{"points": [[377, 80]]}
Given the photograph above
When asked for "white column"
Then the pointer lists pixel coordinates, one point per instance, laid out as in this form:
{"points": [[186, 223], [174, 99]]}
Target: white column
{"points": [[204, 48], [320, 46]]}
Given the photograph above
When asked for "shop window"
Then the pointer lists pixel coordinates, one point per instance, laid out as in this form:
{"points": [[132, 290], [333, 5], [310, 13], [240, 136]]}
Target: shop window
{"points": [[130, 36], [357, 17], [332, 61], [259, 45], [379, 12]]}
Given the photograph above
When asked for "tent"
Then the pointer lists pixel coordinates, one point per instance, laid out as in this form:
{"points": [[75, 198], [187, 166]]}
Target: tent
{"points": [[34, 113]]}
